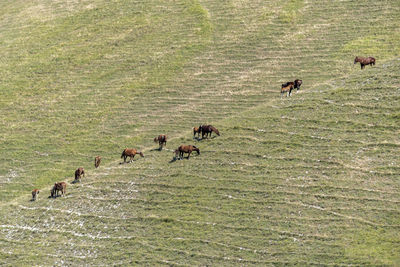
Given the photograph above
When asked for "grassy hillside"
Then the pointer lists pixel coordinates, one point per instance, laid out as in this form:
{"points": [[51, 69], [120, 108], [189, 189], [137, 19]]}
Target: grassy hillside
{"points": [[313, 179]]}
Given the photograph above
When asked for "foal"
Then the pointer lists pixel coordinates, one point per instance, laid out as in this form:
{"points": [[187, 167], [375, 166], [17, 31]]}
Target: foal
{"points": [[97, 161], [35, 192], [196, 130]]}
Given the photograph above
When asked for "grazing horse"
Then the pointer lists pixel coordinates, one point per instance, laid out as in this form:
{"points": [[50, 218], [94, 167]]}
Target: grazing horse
{"points": [[62, 186], [196, 130], [162, 140], [364, 61], [130, 152], [97, 161], [287, 88], [186, 149], [79, 173], [35, 192], [297, 84], [207, 130]]}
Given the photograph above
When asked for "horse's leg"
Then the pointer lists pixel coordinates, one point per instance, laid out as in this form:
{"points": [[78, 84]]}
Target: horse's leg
{"points": [[189, 153], [362, 66]]}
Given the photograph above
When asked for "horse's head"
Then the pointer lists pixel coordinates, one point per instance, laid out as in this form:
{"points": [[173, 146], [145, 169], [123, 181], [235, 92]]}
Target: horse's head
{"points": [[355, 60], [141, 154], [197, 150]]}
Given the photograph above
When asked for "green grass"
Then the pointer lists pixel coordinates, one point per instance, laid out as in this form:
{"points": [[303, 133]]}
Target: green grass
{"points": [[306, 180]]}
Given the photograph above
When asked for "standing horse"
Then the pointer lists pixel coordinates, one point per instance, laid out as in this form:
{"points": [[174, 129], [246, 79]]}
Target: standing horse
{"points": [[62, 186], [287, 88], [364, 61], [196, 130], [78, 174], [35, 192], [130, 152], [97, 161], [162, 140], [186, 149], [207, 130], [297, 84]]}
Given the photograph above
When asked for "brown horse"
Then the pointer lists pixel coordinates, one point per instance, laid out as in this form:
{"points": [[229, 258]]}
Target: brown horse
{"points": [[162, 140], [130, 152], [97, 161], [62, 186], [287, 88], [79, 173], [196, 130], [186, 149], [35, 192], [207, 130], [364, 61], [297, 84]]}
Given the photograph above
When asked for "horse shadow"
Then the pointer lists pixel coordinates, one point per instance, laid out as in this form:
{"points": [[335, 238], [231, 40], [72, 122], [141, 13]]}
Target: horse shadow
{"points": [[176, 159], [156, 149], [173, 160]]}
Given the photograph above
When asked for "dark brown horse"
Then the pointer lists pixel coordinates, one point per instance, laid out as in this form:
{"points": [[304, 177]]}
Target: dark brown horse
{"points": [[78, 174], [130, 152], [186, 149], [364, 61], [287, 88], [62, 186], [35, 192], [207, 130], [162, 140], [97, 161], [297, 84]]}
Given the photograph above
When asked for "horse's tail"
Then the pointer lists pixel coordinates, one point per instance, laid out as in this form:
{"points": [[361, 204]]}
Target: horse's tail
{"points": [[215, 130], [123, 153]]}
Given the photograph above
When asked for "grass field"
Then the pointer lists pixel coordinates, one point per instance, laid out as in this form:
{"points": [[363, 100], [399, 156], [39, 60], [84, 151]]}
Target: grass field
{"points": [[307, 180]]}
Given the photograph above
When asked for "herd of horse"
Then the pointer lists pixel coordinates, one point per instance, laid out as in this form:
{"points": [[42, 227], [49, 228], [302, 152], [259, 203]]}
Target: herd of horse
{"points": [[204, 130]]}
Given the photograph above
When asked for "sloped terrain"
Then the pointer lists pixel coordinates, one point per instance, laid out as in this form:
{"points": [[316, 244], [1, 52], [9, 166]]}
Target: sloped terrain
{"points": [[311, 179]]}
